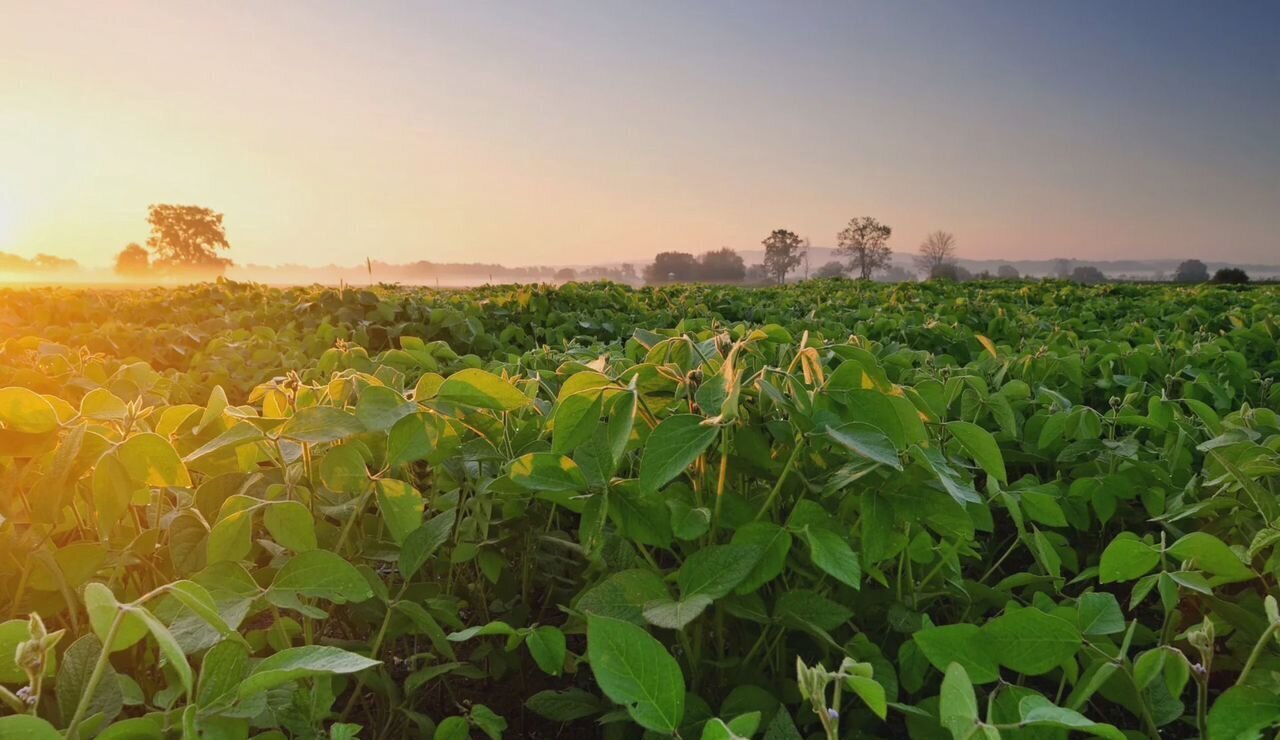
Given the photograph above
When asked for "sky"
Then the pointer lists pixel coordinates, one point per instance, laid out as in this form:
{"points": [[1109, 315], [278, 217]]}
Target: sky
{"points": [[588, 131]]}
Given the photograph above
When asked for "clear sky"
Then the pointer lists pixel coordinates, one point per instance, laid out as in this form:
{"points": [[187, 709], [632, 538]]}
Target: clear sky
{"points": [[595, 130]]}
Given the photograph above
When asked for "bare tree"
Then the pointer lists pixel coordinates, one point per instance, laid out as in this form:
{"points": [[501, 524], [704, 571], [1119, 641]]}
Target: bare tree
{"points": [[864, 242], [937, 249], [782, 253]]}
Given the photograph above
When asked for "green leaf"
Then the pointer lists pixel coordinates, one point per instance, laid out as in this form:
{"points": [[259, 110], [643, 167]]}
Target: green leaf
{"points": [[135, 728], [688, 523], [806, 609], [774, 542], [380, 407], [575, 420], [452, 728], [292, 664], [423, 542], [871, 693], [623, 595], [321, 424], [1099, 614], [933, 460], [483, 390], [1243, 712], [716, 729], [957, 704], [241, 434], [290, 525], [77, 666], [401, 507], [564, 706], [782, 728], [547, 471], [671, 448], [1127, 558], [675, 615], [200, 602], [342, 470], [716, 570], [322, 574], [26, 727], [102, 607], [1031, 642], [547, 646], [1212, 555], [24, 410], [232, 535], [112, 492], [483, 630], [867, 441], [833, 555], [168, 646], [635, 670], [959, 643], [222, 669], [152, 461], [1039, 711], [981, 446]]}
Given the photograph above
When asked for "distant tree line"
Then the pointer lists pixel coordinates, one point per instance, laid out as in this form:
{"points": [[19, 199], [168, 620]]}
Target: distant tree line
{"points": [[718, 266], [38, 263], [184, 241]]}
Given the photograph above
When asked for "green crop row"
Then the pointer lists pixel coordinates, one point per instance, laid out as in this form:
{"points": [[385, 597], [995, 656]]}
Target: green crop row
{"points": [[829, 510]]}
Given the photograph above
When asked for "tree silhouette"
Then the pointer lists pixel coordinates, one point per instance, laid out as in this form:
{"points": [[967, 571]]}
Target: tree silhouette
{"points": [[1231, 276], [937, 249], [1191, 271], [133, 261], [832, 269], [865, 242], [783, 251], [671, 267], [187, 237], [721, 266]]}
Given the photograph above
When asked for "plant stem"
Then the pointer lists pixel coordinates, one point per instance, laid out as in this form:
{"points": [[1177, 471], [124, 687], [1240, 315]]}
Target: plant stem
{"points": [[17, 705], [777, 487], [1256, 653], [373, 653], [99, 668], [720, 480]]}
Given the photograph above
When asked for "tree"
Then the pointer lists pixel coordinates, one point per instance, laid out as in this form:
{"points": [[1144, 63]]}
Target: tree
{"points": [[783, 251], [896, 274], [758, 275], [566, 275], [721, 266], [671, 267], [187, 237], [1231, 276], [1191, 271], [938, 248], [1088, 275], [950, 271], [864, 243], [1007, 272], [832, 269], [1062, 268], [133, 261]]}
